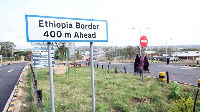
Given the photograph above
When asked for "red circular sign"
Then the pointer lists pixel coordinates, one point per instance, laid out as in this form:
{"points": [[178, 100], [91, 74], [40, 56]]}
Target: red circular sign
{"points": [[143, 41]]}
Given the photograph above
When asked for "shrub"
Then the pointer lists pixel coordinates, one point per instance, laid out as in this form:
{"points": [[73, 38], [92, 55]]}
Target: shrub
{"points": [[116, 68], [101, 108], [182, 105], [174, 90]]}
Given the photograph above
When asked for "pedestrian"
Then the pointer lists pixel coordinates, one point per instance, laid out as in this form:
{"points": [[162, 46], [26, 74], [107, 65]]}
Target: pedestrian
{"points": [[89, 62], [137, 63], [167, 60], [146, 64], [140, 65]]}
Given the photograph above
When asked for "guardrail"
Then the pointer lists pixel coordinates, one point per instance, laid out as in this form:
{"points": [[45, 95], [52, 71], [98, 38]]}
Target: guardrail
{"points": [[38, 93]]}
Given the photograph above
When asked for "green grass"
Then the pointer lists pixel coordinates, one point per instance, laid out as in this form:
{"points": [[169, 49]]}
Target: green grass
{"points": [[113, 92]]}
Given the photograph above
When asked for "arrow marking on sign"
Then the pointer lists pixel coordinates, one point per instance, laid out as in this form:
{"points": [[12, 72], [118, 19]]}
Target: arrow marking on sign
{"points": [[144, 41]]}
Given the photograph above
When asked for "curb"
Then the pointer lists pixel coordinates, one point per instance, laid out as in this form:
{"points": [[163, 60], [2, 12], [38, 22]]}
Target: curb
{"points": [[192, 65], [13, 97], [185, 84]]}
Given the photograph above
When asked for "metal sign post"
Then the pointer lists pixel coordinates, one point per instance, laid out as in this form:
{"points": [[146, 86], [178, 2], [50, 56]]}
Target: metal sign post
{"points": [[74, 63], [36, 72], [51, 77], [66, 62], [92, 76], [142, 64], [143, 43]]}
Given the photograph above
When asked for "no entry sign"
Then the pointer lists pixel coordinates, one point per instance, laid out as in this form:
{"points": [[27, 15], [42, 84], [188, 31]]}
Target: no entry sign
{"points": [[143, 41]]}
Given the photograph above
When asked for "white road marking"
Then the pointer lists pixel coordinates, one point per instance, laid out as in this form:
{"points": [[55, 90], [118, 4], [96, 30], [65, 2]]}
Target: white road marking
{"points": [[10, 70], [179, 67], [187, 67]]}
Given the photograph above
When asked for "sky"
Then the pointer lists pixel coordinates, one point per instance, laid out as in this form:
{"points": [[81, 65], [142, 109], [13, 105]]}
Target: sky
{"points": [[175, 22]]}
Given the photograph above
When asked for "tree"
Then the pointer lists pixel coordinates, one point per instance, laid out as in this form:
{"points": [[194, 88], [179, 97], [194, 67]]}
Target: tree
{"points": [[78, 54], [162, 51], [61, 52], [6, 48], [190, 49], [18, 54]]}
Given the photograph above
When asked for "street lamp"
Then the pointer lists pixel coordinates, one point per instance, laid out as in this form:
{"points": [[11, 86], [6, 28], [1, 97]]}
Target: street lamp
{"points": [[140, 37], [166, 46]]}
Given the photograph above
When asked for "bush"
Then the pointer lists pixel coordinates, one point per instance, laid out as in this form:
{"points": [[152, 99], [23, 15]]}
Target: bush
{"points": [[101, 108], [116, 68], [174, 90], [182, 105]]}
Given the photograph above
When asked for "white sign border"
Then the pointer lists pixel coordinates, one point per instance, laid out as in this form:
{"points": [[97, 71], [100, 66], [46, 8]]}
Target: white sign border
{"points": [[27, 35]]}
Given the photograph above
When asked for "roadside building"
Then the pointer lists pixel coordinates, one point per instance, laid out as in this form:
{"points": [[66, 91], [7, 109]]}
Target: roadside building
{"points": [[96, 55], [85, 55], [149, 53], [187, 55]]}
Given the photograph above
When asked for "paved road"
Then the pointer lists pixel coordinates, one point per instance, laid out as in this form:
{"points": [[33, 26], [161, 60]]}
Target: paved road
{"points": [[9, 75], [177, 72]]}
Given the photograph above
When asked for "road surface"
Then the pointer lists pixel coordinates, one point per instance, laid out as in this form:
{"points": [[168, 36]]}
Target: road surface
{"points": [[9, 75], [177, 72]]}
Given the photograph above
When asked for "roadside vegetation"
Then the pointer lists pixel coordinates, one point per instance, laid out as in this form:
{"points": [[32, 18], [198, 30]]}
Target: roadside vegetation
{"points": [[116, 92]]}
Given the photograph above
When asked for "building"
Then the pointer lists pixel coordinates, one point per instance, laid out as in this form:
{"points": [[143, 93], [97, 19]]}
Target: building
{"points": [[96, 55], [187, 55]]}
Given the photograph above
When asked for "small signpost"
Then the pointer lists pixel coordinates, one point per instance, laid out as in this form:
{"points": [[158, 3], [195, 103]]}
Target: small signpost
{"points": [[143, 43], [71, 46], [40, 55], [62, 29]]}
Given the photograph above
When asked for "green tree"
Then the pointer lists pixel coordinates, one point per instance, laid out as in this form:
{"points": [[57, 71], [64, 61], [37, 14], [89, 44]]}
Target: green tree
{"points": [[61, 51], [78, 54], [6, 48], [190, 49]]}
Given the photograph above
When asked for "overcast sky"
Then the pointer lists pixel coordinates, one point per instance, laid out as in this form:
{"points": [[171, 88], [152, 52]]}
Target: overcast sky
{"points": [[178, 20]]}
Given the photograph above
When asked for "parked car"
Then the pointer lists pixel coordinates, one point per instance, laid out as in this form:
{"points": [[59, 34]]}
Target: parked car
{"points": [[76, 63]]}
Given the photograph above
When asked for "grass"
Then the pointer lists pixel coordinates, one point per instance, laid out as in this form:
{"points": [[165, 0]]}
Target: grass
{"points": [[30, 103], [113, 92]]}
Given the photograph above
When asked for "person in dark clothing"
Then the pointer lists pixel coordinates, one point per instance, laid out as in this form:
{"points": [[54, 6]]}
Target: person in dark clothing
{"points": [[89, 62], [167, 61], [137, 64], [146, 64]]}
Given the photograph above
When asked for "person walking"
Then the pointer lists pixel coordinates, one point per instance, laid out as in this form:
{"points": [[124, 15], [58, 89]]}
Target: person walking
{"points": [[89, 62], [146, 64], [140, 65], [167, 60], [136, 64]]}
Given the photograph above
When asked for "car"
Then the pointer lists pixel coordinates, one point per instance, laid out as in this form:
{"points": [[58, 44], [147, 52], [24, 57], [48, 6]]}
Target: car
{"points": [[76, 63]]}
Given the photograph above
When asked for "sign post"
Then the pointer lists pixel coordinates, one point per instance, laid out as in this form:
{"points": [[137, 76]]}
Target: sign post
{"points": [[143, 43], [92, 76], [62, 29], [51, 77]]}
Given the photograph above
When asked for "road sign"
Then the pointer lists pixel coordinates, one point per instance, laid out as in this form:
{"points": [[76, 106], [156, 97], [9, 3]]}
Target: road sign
{"points": [[63, 29], [40, 55], [143, 41]]}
